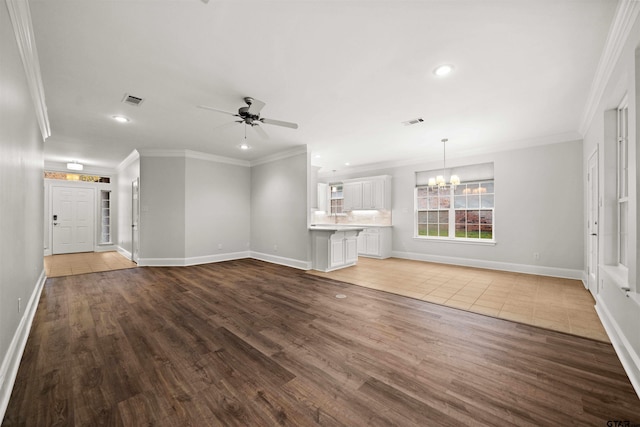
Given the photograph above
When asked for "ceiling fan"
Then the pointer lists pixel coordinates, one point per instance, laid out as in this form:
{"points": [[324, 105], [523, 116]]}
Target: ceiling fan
{"points": [[250, 115]]}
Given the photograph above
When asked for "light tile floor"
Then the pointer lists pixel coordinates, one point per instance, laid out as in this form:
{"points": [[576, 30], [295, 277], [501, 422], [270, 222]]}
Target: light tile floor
{"points": [[86, 262], [549, 302]]}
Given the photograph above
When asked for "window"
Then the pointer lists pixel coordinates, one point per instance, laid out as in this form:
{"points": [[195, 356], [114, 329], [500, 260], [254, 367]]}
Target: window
{"points": [[622, 184], [465, 212], [433, 211], [105, 216], [76, 177]]}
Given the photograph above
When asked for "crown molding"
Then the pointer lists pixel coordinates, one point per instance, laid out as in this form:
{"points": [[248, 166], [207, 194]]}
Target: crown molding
{"points": [[214, 158], [467, 153], [623, 21], [152, 152], [132, 157], [21, 21], [279, 156]]}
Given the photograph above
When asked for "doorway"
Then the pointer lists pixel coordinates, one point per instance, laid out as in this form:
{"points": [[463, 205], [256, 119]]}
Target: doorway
{"points": [[72, 219], [135, 218], [592, 222]]}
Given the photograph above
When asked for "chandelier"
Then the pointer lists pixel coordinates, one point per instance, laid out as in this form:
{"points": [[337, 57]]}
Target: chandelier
{"points": [[439, 180]]}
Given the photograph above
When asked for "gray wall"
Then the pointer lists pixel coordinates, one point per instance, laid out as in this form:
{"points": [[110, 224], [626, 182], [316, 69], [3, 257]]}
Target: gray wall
{"points": [[21, 194], [619, 310], [218, 208], [538, 209], [193, 209], [279, 209], [162, 207]]}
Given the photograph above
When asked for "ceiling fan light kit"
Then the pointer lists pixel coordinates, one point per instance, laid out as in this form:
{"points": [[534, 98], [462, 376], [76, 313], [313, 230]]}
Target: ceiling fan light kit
{"points": [[250, 115]]}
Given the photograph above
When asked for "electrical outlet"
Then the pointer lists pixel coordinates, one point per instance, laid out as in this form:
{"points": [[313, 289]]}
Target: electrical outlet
{"points": [[19, 305], [536, 255], [219, 245], [275, 248]]}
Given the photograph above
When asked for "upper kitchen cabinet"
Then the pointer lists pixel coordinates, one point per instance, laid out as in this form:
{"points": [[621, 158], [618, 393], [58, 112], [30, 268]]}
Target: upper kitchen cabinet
{"points": [[367, 193]]}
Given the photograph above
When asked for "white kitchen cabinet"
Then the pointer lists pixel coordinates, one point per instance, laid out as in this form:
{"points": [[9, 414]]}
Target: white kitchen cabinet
{"points": [[352, 196], [375, 242], [335, 247], [351, 249], [367, 194]]}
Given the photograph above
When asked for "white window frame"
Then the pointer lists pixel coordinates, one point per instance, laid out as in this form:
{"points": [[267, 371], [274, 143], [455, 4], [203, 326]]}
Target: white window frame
{"points": [[452, 217]]}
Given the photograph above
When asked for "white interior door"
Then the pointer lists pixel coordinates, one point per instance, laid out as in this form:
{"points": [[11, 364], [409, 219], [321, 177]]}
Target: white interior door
{"points": [[135, 217], [73, 219], [592, 222]]}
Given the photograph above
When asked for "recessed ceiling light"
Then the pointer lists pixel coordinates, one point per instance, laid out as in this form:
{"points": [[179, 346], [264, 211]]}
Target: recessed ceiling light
{"points": [[347, 164], [443, 70], [244, 146], [120, 119]]}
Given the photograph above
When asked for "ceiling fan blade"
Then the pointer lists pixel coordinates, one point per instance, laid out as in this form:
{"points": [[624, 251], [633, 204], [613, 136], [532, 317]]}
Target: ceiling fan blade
{"points": [[204, 107], [255, 105], [279, 123], [260, 131]]}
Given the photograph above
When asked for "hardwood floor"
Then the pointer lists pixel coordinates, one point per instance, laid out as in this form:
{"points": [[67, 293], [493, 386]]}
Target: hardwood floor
{"points": [[250, 343]]}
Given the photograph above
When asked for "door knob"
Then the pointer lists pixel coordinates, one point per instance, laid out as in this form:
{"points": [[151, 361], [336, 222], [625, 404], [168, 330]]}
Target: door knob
{"points": [[55, 223], [594, 234]]}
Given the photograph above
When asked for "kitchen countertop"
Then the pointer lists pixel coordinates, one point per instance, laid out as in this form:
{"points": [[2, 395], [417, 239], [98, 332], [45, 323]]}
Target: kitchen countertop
{"points": [[336, 227], [343, 226]]}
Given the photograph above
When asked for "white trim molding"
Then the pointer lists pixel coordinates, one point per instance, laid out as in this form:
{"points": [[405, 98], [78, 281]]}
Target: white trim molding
{"points": [[207, 259], [288, 262], [565, 273], [628, 356], [184, 262], [132, 157], [21, 21], [11, 361], [622, 23], [122, 251], [281, 155], [152, 152]]}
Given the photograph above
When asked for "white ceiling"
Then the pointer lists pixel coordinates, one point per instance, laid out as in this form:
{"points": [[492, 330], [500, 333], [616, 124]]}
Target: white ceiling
{"points": [[347, 71]]}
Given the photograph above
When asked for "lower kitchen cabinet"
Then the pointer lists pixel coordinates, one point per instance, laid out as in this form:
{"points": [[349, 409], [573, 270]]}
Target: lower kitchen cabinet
{"points": [[375, 242], [334, 249]]}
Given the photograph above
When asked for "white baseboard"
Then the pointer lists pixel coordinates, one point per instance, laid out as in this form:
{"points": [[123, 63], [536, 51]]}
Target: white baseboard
{"points": [[289, 262], [216, 258], [565, 273], [122, 251], [628, 357], [105, 248], [11, 361], [183, 262]]}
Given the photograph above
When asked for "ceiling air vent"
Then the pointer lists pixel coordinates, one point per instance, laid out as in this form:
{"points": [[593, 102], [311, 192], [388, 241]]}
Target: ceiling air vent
{"points": [[132, 100], [413, 122]]}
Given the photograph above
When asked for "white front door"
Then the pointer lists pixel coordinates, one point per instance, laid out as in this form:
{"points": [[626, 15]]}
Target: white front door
{"points": [[73, 219], [592, 222]]}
